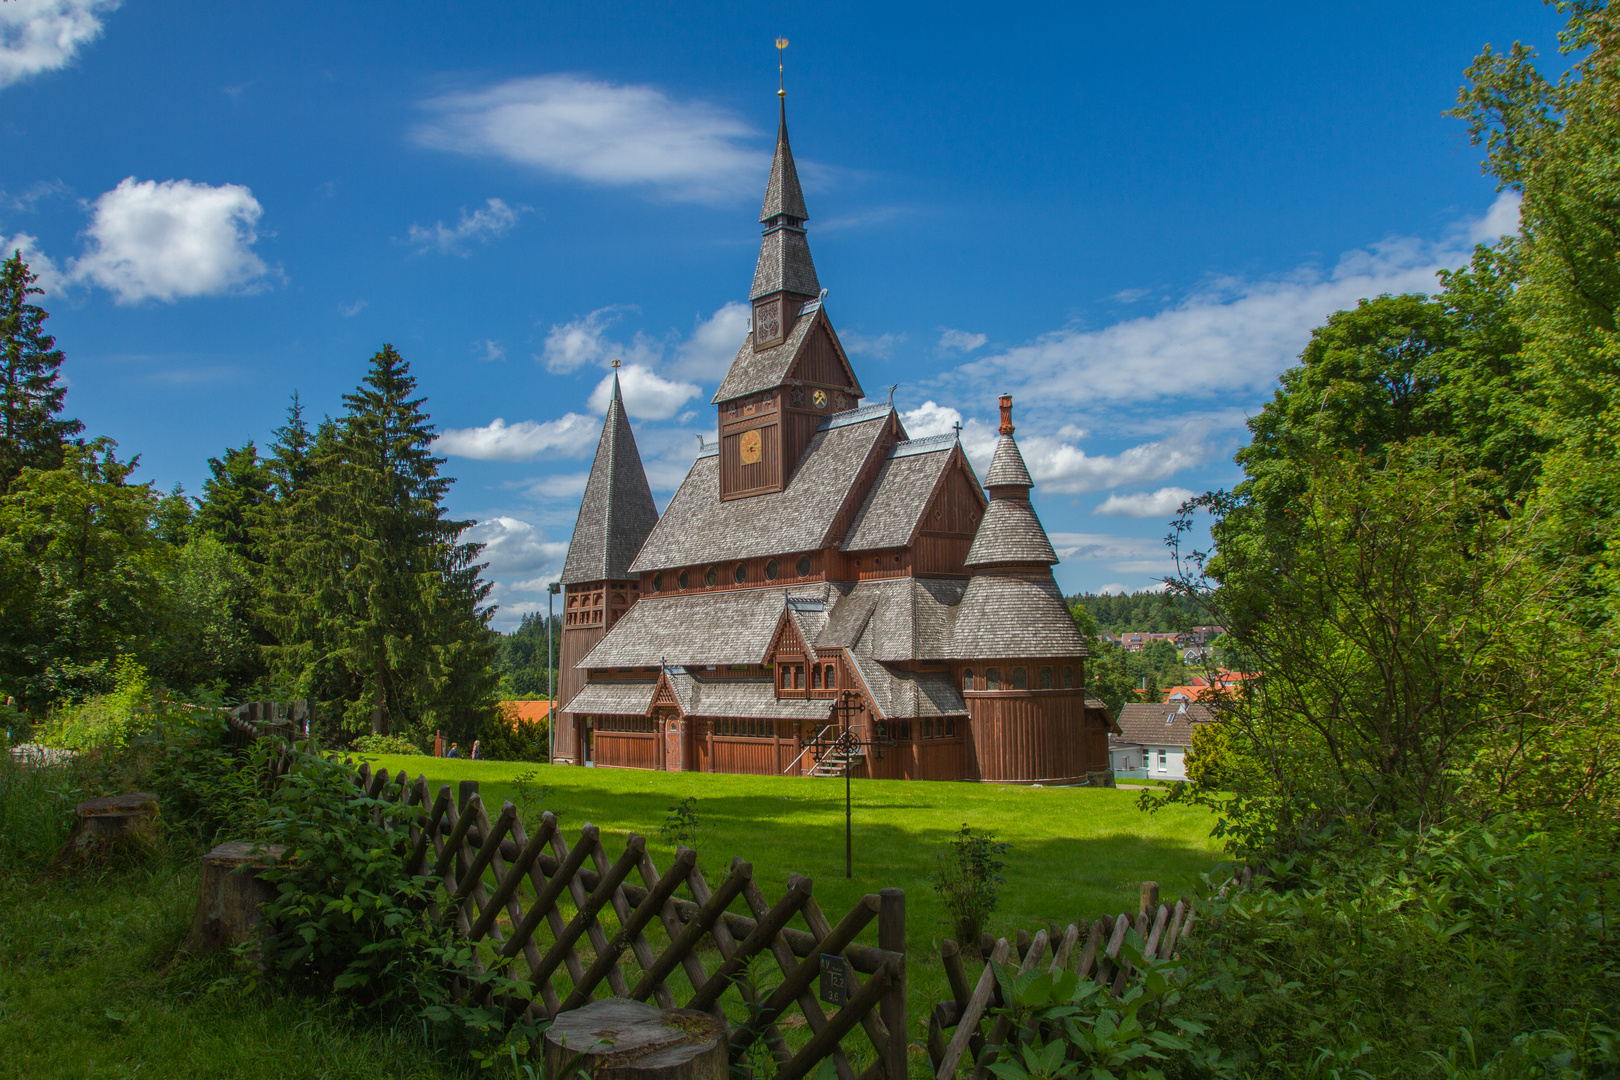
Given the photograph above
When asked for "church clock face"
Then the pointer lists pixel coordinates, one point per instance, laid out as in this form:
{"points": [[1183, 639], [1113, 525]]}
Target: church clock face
{"points": [[820, 398], [748, 447]]}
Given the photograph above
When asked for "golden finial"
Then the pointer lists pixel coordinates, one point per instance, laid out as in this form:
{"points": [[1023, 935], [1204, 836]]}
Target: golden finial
{"points": [[615, 362], [781, 84]]}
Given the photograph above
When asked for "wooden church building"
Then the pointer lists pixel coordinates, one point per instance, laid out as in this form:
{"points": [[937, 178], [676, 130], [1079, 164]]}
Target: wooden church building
{"points": [[818, 569]]}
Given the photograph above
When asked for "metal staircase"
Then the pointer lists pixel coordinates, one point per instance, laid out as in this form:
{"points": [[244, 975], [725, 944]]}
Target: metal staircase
{"points": [[834, 763]]}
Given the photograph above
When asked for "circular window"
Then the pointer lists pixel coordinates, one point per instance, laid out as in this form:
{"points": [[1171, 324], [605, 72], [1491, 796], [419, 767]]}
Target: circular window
{"points": [[658, 583], [681, 581], [770, 570], [804, 566], [712, 576], [740, 574]]}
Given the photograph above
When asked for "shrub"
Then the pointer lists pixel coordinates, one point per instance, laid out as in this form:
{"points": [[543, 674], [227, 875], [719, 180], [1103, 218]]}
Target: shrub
{"points": [[386, 744], [969, 869], [104, 721], [513, 738], [681, 826], [36, 810]]}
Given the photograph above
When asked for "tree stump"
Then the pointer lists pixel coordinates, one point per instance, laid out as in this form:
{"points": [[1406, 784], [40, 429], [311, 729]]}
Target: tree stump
{"points": [[621, 1039], [111, 825], [231, 893]]}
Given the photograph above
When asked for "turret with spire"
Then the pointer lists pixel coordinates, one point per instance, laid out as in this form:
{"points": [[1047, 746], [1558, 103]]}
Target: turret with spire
{"points": [[616, 514], [1010, 536], [785, 276]]}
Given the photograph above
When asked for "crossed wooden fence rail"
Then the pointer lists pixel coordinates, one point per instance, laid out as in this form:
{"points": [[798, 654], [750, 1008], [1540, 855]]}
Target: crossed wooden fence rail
{"points": [[1162, 928], [482, 865]]}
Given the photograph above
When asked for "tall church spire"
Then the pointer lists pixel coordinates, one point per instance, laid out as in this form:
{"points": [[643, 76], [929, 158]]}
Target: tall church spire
{"points": [[617, 511], [784, 254]]}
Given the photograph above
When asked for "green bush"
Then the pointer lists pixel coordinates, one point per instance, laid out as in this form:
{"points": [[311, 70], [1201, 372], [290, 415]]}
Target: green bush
{"points": [[102, 721], [1467, 953], [969, 869], [386, 744], [36, 811], [513, 738]]}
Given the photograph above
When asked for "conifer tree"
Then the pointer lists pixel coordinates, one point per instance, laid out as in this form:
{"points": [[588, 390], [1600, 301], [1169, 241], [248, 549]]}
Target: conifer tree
{"points": [[374, 602], [232, 495], [31, 432]]}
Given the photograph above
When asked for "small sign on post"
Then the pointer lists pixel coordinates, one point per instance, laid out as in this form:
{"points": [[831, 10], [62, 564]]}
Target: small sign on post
{"points": [[834, 979]]}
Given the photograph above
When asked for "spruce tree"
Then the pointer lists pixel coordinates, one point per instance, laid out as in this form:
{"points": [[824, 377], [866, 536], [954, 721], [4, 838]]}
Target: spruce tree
{"points": [[374, 602], [31, 432], [232, 495]]}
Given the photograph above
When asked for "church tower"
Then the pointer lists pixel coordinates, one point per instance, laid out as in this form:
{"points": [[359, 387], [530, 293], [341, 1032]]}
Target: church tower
{"points": [[615, 516], [791, 371]]}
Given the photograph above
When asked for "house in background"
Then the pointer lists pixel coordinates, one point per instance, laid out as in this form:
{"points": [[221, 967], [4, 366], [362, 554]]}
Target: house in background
{"points": [[1154, 740]]}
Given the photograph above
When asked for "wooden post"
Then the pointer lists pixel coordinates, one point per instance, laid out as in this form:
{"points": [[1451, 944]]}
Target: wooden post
{"points": [[1150, 899], [892, 936], [106, 826], [231, 893], [620, 1039]]}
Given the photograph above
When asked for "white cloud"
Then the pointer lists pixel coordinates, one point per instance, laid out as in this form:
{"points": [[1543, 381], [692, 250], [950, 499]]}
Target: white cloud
{"points": [[573, 344], [960, 341], [878, 347], [349, 311], [44, 35], [708, 353], [513, 546], [494, 220], [930, 418], [1231, 337], [163, 241], [492, 350], [51, 278], [1161, 503], [1103, 546], [1060, 467], [560, 485], [647, 395], [602, 133], [571, 434]]}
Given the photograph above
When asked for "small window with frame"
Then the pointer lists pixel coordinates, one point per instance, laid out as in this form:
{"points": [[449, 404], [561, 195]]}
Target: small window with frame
{"points": [[740, 574], [1046, 678], [992, 679], [712, 577], [683, 579], [1020, 679], [967, 679]]}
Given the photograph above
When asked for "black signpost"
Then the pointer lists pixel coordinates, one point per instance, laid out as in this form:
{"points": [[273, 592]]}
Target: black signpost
{"points": [[848, 743]]}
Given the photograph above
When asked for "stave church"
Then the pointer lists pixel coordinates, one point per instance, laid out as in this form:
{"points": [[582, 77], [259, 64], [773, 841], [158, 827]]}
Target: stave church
{"points": [[818, 571]]}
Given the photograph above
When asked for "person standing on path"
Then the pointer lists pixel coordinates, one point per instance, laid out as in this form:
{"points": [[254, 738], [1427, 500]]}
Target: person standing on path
{"points": [[477, 751]]}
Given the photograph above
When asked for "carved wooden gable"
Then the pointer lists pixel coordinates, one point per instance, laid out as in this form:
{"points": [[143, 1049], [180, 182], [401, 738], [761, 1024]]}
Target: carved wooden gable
{"points": [[821, 362], [787, 642], [664, 694], [957, 504]]}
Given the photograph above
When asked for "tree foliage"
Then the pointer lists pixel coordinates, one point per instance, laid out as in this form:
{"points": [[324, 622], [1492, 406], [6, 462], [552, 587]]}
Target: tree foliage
{"points": [[32, 432]]}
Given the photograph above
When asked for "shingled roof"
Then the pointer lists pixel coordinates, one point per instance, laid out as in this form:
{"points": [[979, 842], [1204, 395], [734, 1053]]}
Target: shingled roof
{"points": [[751, 371], [784, 265], [900, 494], [1005, 616], [732, 626], [1007, 467], [782, 192], [899, 619], [699, 528], [615, 698], [617, 512], [755, 697], [1010, 534], [1169, 724]]}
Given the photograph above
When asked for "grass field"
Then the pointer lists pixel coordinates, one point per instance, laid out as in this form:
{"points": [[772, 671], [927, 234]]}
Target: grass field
{"points": [[1076, 852], [92, 983]]}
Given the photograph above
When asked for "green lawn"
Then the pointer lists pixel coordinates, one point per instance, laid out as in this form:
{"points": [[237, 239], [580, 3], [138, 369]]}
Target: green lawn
{"points": [[1077, 853], [92, 983]]}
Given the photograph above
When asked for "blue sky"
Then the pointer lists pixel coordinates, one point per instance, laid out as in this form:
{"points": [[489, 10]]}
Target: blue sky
{"points": [[1127, 217]]}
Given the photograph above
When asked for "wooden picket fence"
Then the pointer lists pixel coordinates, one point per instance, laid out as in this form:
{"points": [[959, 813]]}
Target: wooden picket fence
{"points": [[569, 921], [1162, 927]]}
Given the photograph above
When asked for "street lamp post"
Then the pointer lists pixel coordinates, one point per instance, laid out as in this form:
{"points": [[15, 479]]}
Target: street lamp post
{"points": [[551, 678]]}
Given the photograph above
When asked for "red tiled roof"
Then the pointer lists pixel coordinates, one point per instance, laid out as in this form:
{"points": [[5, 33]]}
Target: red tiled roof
{"points": [[526, 710]]}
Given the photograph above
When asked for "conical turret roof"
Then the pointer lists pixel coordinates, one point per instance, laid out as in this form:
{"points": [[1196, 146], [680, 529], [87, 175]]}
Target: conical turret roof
{"points": [[617, 511], [1010, 534], [784, 253], [783, 195]]}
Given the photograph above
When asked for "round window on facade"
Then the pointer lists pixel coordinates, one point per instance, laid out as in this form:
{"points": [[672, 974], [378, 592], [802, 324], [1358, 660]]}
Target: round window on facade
{"points": [[658, 583], [770, 570], [682, 580], [740, 574], [1020, 679], [967, 678], [1046, 678], [992, 679], [712, 578], [804, 566]]}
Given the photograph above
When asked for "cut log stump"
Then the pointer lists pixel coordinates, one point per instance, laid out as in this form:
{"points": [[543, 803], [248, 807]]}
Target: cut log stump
{"points": [[111, 826], [231, 893], [622, 1039]]}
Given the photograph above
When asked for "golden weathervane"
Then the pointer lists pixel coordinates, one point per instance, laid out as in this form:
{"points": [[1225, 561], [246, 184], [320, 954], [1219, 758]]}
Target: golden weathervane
{"points": [[781, 85]]}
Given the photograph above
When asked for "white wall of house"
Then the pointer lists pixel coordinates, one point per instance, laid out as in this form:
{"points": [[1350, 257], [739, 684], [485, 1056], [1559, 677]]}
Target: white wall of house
{"points": [[1150, 762]]}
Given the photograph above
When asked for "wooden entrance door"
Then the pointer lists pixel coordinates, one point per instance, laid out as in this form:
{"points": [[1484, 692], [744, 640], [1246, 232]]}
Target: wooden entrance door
{"points": [[676, 740]]}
